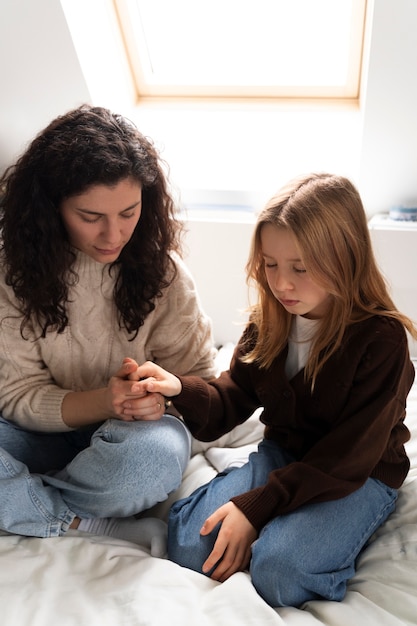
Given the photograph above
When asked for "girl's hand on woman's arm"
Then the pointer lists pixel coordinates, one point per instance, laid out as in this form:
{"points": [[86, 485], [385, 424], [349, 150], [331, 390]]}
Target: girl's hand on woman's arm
{"points": [[154, 379]]}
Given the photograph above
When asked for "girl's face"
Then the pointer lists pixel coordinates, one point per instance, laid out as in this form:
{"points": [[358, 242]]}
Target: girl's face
{"points": [[101, 220], [287, 277]]}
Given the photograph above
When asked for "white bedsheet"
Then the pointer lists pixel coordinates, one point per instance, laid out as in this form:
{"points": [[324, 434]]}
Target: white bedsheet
{"points": [[82, 580]]}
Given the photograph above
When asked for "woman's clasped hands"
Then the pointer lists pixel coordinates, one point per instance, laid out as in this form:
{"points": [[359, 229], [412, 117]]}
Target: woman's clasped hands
{"points": [[139, 392], [130, 401]]}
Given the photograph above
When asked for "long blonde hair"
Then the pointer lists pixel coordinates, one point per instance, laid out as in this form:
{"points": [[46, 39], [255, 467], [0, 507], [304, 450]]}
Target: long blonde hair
{"points": [[325, 214]]}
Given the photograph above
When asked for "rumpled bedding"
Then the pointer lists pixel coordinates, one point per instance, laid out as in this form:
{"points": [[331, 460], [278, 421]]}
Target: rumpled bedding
{"points": [[86, 580]]}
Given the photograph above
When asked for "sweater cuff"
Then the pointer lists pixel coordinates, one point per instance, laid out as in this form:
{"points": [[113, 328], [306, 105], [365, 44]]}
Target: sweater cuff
{"points": [[50, 411], [192, 387], [258, 505]]}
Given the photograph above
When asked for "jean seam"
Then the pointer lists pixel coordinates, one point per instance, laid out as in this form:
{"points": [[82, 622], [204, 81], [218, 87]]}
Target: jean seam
{"points": [[55, 525], [8, 466], [40, 506], [372, 527]]}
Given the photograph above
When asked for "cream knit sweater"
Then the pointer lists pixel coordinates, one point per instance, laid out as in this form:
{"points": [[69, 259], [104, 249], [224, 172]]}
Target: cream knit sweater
{"points": [[36, 373]]}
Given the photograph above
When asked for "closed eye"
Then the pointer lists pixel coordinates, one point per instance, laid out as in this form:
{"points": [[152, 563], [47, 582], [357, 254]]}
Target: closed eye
{"points": [[90, 221], [93, 220]]}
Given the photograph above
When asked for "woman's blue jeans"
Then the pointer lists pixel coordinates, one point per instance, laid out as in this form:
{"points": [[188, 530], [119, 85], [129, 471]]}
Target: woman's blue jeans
{"points": [[117, 469], [305, 555]]}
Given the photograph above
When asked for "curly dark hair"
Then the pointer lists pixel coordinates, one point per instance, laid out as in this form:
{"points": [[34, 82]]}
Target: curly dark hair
{"points": [[86, 146]]}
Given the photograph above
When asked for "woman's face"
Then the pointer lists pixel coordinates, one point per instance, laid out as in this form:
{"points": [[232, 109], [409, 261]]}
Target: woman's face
{"points": [[101, 220], [287, 276]]}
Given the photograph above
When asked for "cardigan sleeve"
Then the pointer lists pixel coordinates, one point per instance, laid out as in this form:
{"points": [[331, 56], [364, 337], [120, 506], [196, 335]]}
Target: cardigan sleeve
{"points": [[224, 402]]}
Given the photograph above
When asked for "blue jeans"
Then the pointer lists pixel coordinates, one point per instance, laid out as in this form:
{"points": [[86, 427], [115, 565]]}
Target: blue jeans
{"points": [[117, 469], [305, 555]]}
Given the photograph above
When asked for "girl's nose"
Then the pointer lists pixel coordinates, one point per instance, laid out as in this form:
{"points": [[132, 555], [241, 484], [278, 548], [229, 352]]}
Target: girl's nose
{"points": [[282, 281]]}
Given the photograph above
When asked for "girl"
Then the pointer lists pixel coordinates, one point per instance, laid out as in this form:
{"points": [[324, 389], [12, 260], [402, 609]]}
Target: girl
{"points": [[325, 354], [90, 274]]}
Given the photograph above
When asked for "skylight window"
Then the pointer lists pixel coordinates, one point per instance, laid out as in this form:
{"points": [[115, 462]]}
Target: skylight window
{"points": [[244, 48]]}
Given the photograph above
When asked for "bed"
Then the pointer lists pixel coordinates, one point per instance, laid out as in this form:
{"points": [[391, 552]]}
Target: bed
{"points": [[86, 580]]}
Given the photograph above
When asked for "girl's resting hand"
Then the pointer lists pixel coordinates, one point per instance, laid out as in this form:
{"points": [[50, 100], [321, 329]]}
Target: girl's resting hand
{"points": [[232, 550]]}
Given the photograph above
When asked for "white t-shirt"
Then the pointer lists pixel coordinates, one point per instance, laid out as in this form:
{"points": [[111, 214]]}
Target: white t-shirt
{"points": [[299, 342]]}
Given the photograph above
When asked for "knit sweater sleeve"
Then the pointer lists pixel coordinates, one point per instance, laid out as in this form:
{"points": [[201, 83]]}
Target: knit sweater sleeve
{"points": [[29, 395], [179, 331]]}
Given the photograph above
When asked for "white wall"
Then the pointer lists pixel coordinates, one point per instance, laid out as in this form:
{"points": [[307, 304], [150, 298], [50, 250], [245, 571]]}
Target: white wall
{"points": [[395, 249], [251, 150], [40, 75], [388, 167], [217, 258]]}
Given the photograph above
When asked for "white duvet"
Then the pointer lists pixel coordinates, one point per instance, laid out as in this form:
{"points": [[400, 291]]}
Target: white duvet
{"points": [[82, 580]]}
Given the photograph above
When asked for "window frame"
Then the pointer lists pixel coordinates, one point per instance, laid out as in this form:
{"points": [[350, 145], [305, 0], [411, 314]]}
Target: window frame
{"points": [[148, 91]]}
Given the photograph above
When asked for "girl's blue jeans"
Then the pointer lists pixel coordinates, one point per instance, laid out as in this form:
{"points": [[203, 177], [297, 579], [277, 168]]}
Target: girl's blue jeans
{"points": [[308, 554], [117, 469]]}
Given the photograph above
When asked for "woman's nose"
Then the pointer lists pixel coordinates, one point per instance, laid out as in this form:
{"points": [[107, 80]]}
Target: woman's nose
{"points": [[111, 231]]}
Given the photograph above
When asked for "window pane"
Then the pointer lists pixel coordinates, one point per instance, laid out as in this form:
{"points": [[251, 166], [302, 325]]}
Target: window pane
{"points": [[230, 44]]}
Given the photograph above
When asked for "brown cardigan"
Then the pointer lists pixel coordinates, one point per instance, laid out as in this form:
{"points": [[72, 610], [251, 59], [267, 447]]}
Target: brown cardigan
{"points": [[350, 428]]}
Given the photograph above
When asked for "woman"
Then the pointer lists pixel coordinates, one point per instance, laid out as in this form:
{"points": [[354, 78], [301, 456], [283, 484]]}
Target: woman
{"points": [[91, 275], [325, 354]]}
